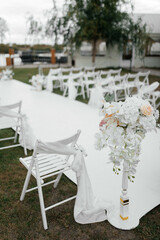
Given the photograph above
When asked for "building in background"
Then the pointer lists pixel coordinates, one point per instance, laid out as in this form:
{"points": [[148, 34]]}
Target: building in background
{"points": [[113, 57]]}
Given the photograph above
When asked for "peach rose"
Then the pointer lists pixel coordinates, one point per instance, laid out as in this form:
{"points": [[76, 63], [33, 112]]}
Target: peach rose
{"points": [[146, 110]]}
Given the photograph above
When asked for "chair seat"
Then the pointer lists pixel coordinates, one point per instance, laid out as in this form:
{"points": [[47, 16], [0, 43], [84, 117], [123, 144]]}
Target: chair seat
{"points": [[90, 82], [75, 84], [48, 165], [120, 87], [7, 122], [134, 84]]}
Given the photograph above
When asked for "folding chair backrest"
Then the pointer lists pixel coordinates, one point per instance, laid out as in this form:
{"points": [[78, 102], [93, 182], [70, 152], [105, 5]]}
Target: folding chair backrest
{"points": [[120, 80], [63, 147], [144, 77], [89, 69], [76, 76], [132, 76], [66, 71], [17, 106], [12, 119], [105, 74], [108, 81], [115, 72], [149, 89], [78, 69], [54, 71], [91, 75]]}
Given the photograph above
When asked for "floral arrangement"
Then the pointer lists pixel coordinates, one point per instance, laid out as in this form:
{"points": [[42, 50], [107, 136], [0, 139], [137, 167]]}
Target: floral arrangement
{"points": [[7, 74], [122, 130]]}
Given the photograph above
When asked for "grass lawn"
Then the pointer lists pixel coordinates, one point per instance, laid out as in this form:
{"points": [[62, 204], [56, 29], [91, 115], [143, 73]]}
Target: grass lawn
{"points": [[22, 220]]}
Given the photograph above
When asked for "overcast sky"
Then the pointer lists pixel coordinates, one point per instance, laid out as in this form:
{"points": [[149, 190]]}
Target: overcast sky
{"points": [[15, 12]]}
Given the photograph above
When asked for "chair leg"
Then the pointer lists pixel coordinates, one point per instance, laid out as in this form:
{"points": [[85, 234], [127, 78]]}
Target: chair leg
{"points": [[23, 140], [57, 180], [87, 91], [15, 138], [65, 91], [83, 94], [25, 186], [41, 199]]}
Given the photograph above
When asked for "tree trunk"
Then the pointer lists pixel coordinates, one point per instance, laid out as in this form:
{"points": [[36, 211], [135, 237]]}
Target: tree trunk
{"points": [[93, 51]]}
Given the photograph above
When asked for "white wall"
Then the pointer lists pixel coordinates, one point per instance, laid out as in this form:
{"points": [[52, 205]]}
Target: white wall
{"points": [[148, 62], [111, 59]]}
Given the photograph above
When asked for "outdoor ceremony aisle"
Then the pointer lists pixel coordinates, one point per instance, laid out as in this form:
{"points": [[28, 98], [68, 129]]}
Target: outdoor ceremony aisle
{"points": [[53, 117]]}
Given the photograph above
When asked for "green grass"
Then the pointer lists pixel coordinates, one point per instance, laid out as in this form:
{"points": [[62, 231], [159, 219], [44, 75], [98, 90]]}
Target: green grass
{"points": [[22, 220], [24, 74]]}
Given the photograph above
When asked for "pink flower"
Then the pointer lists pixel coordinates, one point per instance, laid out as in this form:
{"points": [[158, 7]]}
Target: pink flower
{"points": [[108, 121], [102, 123]]}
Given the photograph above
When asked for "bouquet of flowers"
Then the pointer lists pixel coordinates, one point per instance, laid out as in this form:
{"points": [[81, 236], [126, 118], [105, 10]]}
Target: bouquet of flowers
{"points": [[7, 74], [122, 130]]}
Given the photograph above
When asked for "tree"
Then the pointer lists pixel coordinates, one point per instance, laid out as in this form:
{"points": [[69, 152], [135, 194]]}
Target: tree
{"points": [[52, 28], [138, 38], [3, 29], [34, 28], [94, 20]]}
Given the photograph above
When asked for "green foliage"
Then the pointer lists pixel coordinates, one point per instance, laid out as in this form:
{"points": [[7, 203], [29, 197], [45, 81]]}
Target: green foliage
{"points": [[4, 48], [52, 26], [34, 29]]}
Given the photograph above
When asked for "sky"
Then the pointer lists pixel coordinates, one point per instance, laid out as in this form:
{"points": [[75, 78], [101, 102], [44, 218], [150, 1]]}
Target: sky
{"points": [[15, 13]]}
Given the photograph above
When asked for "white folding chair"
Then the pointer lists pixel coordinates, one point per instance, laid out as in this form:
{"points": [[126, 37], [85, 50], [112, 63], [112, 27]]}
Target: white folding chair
{"points": [[132, 83], [10, 117], [148, 93], [90, 79], [64, 76], [120, 88], [77, 81], [143, 78], [53, 79], [48, 160]]}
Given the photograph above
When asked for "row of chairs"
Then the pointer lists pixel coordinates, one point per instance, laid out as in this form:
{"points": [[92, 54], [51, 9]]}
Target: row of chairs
{"points": [[133, 84], [59, 78], [49, 160], [126, 85], [85, 80]]}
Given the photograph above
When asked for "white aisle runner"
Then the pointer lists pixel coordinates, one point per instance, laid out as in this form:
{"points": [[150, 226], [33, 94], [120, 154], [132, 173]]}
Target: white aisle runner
{"points": [[54, 117]]}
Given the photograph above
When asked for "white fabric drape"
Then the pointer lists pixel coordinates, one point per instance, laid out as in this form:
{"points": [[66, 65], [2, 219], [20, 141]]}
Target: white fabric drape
{"points": [[26, 136], [87, 209], [72, 91], [96, 97]]}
